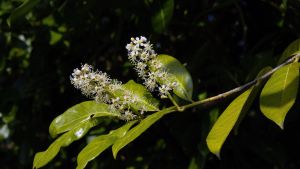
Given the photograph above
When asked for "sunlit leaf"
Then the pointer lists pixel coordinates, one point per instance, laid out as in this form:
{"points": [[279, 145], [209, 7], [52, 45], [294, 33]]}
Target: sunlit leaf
{"points": [[42, 158], [291, 50], [78, 114], [21, 11], [99, 144], [279, 93], [163, 16], [139, 129], [225, 123], [144, 99], [251, 97], [229, 118], [177, 73]]}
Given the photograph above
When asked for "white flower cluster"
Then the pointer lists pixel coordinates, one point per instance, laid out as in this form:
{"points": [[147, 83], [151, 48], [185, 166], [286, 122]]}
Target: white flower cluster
{"points": [[98, 85], [142, 56]]}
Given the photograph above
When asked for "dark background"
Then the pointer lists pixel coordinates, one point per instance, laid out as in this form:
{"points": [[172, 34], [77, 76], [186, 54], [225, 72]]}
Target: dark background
{"points": [[224, 43]]}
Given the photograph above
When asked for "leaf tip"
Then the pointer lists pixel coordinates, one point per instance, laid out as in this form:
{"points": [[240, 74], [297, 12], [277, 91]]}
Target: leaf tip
{"points": [[213, 149], [218, 155], [115, 152], [281, 125]]}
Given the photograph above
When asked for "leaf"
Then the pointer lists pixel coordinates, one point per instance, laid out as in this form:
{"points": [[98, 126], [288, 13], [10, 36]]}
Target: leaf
{"points": [[99, 144], [251, 98], [144, 99], [78, 114], [139, 129], [42, 158], [226, 122], [292, 49], [21, 11], [232, 116], [177, 73], [55, 37], [163, 16], [279, 93], [194, 164]]}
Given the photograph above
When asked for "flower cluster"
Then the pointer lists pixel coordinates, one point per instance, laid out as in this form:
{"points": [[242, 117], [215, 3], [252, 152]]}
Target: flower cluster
{"points": [[99, 86], [151, 70]]}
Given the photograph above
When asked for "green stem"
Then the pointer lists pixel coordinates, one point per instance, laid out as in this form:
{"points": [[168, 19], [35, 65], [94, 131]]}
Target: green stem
{"points": [[175, 103]]}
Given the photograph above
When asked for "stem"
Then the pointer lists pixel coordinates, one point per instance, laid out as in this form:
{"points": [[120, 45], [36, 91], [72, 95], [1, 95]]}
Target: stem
{"points": [[174, 102], [218, 97]]}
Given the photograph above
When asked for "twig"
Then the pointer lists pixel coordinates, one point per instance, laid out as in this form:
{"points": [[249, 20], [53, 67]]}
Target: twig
{"points": [[218, 97]]}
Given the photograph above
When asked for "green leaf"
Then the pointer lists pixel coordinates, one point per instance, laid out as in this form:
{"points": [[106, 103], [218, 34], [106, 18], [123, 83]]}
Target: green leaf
{"points": [[21, 11], [292, 49], [194, 164], [226, 122], [177, 73], [55, 37], [251, 97], [163, 16], [139, 129], [42, 158], [78, 114], [279, 93], [99, 144], [144, 99], [232, 116]]}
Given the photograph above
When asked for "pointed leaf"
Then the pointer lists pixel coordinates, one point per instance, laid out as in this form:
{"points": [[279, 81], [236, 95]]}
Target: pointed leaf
{"points": [[163, 16], [21, 11], [139, 129], [77, 114], [144, 99], [99, 144], [177, 73], [42, 158], [279, 93], [292, 49], [226, 122]]}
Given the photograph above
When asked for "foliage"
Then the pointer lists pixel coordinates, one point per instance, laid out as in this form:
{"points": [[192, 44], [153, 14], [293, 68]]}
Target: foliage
{"points": [[223, 44], [276, 99]]}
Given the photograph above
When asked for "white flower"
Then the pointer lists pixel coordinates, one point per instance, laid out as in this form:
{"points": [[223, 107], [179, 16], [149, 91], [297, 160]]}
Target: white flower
{"points": [[164, 91], [148, 47], [139, 49], [89, 82], [100, 86], [150, 83], [141, 66], [156, 64], [143, 39], [128, 115], [143, 57], [86, 68], [130, 46]]}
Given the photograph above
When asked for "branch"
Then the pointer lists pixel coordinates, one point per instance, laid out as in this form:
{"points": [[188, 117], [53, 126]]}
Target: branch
{"points": [[214, 99]]}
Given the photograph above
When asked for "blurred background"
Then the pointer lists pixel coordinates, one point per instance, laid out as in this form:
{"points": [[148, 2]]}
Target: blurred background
{"points": [[223, 43]]}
